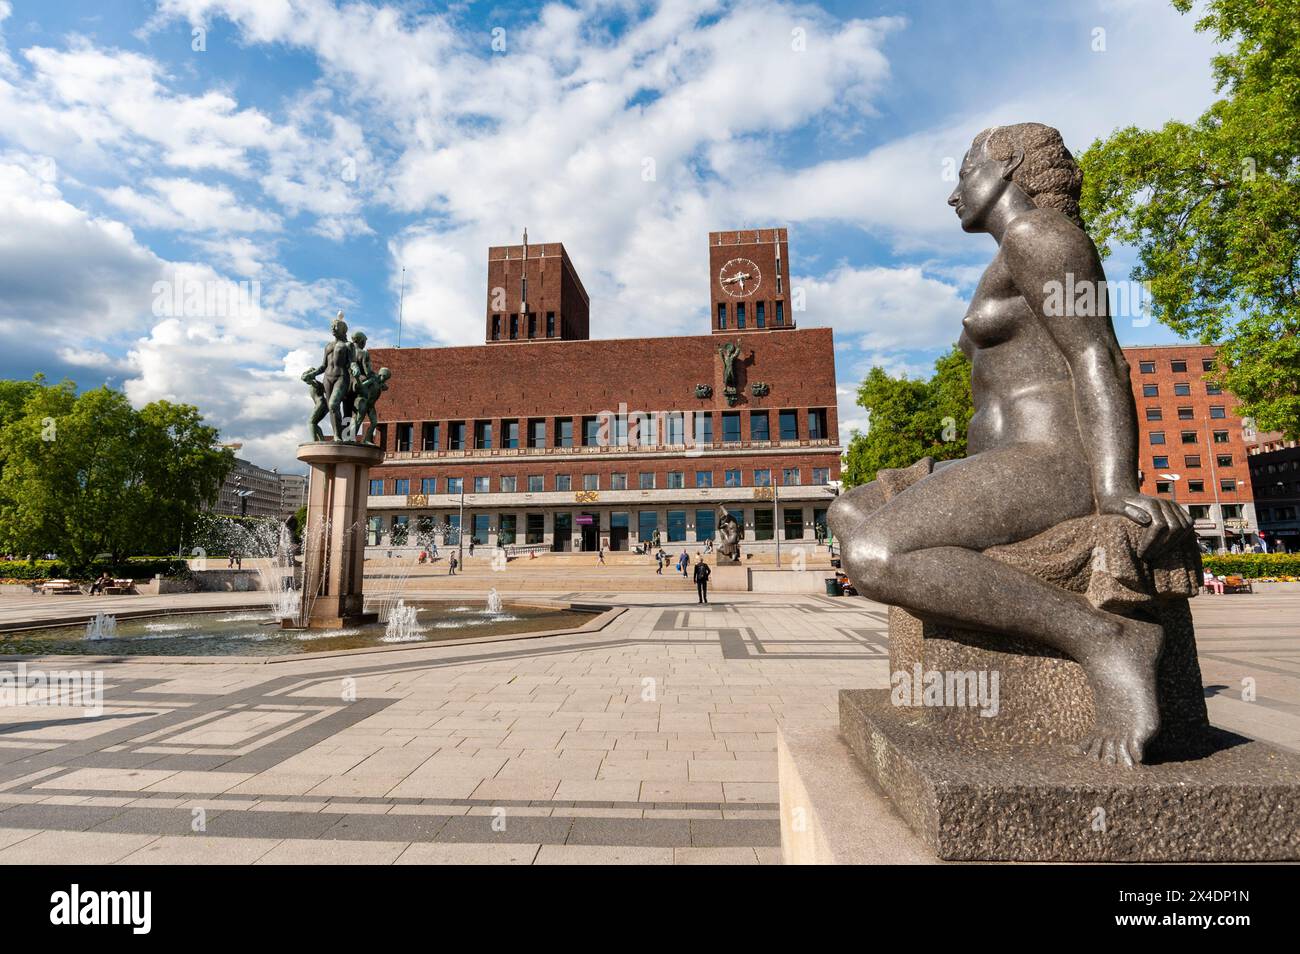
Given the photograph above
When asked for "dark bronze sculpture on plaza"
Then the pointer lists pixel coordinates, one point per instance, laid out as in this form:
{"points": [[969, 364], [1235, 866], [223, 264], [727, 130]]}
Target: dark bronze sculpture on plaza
{"points": [[350, 387], [1053, 439]]}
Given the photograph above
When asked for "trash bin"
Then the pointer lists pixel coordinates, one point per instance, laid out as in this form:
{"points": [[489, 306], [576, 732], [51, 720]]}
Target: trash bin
{"points": [[833, 587]]}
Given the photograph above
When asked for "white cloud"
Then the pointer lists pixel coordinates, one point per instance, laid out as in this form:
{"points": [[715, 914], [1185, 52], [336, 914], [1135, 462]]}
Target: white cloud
{"points": [[189, 206]]}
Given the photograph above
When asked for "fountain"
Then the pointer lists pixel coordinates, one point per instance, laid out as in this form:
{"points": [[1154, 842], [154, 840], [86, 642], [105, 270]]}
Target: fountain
{"points": [[402, 624], [493, 602], [102, 626]]}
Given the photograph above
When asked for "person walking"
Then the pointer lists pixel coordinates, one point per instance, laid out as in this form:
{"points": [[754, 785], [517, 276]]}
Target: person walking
{"points": [[451, 565], [702, 572], [601, 555], [659, 558], [684, 563]]}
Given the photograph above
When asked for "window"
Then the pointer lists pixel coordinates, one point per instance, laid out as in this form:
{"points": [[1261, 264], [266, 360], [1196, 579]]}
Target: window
{"points": [[1150, 390], [564, 432], [401, 523], [760, 315], [740, 314], [456, 435], [507, 525], [705, 525], [374, 530], [675, 424], [563, 482], [762, 478], [1231, 511], [1178, 366], [722, 314], [1184, 414], [405, 436], [790, 477], [704, 478], [730, 426], [514, 327], [590, 431], [1218, 411], [496, 327], [480, 525], [1188, 437], [1154, 414], [402, 486], [816, 423], [792, 522], [1213, 389], [618, 481], [591, 481], [704, 428], [376, 488], [535, 484], [647, 522], [532, 325], [780, 312], [1147, 367], [676, 526], [483, 434], [763, 523], [646, 481], [550, 324], [1196, 486], [1220, 437], [789, 421], [482, 485], [510, 433], [1160, 463], [429, 435], [1199, 511], [1207, 364], [1183, 389], [759, 426], [1156, 437], [1162, 486], [455, 485], [676, 481], [1223, 460], [821, 476], [1228, 484], [536, 432], [509, 484], [534, 528], [429, 485], [1192, 461], [731, 478]]}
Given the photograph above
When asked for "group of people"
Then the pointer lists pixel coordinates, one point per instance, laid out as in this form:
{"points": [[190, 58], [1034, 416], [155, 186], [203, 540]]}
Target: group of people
{"points": [[700, 575]]}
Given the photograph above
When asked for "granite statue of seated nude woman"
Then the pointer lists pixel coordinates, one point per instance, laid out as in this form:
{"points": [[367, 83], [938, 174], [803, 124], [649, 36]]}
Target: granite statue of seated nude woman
{"points": [[1053, 438]]}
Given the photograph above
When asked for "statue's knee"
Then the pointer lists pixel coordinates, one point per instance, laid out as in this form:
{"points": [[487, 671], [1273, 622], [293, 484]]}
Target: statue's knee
{"points": [[841, 516], [866, 558]]}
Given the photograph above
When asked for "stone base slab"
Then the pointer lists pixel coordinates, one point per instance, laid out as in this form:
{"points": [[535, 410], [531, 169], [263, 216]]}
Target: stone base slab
{"points": [[1237, 800]]}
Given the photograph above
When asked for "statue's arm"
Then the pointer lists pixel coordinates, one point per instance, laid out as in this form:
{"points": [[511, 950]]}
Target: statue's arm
{"points": [[1040, 248]]}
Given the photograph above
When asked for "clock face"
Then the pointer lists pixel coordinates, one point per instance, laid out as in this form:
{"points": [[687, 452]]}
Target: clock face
{"points": [[739, 278]]}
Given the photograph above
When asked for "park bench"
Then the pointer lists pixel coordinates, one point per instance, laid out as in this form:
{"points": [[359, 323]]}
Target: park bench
{"points": [[1237, 584], [119, 588], [60, 588]]}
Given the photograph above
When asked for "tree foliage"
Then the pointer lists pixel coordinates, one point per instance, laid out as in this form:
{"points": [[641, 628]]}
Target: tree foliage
{"points": [[911, 419], [1213, 208], [87, 474]]}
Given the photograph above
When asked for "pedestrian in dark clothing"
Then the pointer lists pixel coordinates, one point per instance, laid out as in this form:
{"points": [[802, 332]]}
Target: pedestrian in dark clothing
{"points": [[451, 566], [702, 572], [659, 558]]}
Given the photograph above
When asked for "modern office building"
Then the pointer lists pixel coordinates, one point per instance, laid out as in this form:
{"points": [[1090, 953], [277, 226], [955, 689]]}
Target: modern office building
{"points": [[1192, 443], [545, 438], [1275, 478]]}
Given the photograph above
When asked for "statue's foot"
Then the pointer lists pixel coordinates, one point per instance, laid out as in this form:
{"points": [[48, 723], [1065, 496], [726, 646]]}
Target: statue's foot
{"points": [[1123, 678]]}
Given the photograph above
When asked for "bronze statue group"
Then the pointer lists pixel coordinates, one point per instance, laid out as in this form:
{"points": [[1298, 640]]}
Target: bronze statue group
{"points": [[349, 389]]}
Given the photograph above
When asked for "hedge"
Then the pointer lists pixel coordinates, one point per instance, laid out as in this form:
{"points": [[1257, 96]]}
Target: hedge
{"points": [[137, 569], [1253, 565]]}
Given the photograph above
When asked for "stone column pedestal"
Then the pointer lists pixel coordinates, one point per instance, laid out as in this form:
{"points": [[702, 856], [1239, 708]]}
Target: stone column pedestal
{"points": [[334, 543]]}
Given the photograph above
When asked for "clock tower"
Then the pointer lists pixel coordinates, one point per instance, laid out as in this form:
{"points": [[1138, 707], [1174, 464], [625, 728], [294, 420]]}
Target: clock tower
{"points": [[750, 281]]}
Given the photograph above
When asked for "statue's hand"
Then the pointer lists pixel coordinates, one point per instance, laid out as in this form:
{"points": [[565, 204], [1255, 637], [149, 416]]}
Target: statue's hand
{"points": [[1166, 522]]}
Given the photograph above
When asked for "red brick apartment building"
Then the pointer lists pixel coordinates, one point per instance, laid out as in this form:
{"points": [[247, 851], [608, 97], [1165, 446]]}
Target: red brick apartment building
{"points": [[545, 438], [1192, 444]]}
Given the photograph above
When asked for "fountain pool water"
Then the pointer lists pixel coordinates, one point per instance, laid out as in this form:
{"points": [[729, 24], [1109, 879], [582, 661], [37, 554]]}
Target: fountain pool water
{"points": [[493, 601], [101, 626], [402, 625]]}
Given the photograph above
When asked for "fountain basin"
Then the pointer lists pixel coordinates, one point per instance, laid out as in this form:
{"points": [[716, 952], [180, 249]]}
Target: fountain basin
{"points": [[256, 632]]}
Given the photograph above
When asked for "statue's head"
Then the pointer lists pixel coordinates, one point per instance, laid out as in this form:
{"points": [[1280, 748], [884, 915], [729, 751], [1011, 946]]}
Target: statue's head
{"points": [[1030, 157], [310, 374], [359, 338], [384, 374], [339, 327]]}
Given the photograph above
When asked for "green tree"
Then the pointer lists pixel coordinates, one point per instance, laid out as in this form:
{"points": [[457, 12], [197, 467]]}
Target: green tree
{"points": [[911, 419], [1213, 208], [87, 474]]}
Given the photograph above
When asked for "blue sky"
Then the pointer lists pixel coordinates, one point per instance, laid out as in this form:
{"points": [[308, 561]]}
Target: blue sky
{"points": [[316, 148]]}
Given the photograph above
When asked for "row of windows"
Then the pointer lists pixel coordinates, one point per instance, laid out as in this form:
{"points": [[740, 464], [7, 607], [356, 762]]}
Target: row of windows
{"points": [[601, 430], [1227, 485], [536, 483], [1202, 511], [1176, 365], [1181, 389], [513, 326], [646, 526], [1192, 461], [1278, 513], [1188, 437], [742, 315], [1217, 411]]}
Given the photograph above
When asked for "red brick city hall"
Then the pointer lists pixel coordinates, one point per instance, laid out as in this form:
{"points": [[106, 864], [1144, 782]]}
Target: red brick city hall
{"points": [[541, 437]]}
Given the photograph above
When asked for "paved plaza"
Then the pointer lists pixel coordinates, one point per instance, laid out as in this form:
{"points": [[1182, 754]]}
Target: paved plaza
{"points": [[652, 741]]}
